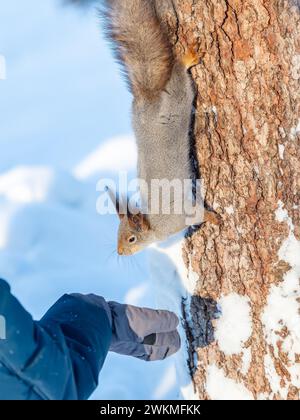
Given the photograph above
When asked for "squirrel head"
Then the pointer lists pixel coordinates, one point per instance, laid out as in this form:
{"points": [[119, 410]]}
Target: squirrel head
{"points": [[135, 232]]}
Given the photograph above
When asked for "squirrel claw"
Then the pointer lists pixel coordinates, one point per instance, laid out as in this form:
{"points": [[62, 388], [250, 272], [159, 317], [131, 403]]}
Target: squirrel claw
{"points": [[212, 217]]}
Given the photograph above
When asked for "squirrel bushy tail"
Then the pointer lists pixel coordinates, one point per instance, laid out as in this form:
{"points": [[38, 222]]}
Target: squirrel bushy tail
{"points": [[141, 45]]}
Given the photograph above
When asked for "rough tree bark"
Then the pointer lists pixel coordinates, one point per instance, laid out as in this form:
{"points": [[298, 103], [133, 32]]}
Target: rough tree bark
{"points": [[247, 133]]}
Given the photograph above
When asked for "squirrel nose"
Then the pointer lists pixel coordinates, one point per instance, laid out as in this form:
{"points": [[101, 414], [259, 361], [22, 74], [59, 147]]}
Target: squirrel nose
{"points": [[120, 250]]}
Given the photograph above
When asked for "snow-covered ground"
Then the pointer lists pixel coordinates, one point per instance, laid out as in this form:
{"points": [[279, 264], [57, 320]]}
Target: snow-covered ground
{"points": [[65, 123]]}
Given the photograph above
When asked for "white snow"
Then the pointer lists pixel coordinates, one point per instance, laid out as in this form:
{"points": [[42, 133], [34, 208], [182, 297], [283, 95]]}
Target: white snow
{"points": [[25, 185], [215, 112], [234, 327], [283, 308], [229, 210], [281, 214], [135, 295], [295, 67], [282, 132], [168, 382], [273, 377], [120, 150], [295, 130], [281, 148], [246, 358], [172, 282], [2, 67], [220, 387]]}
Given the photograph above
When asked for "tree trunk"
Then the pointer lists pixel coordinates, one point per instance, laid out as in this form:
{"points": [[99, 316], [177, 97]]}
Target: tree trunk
{"points": [[247, 135]]}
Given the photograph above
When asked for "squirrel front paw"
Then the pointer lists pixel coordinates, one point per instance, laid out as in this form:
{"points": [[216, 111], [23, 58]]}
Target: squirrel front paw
{"points": [[190, 59], [212, 217]]}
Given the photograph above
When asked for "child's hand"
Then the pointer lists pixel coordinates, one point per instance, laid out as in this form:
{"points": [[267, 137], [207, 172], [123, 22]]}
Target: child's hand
{"points": [[144, 333]]}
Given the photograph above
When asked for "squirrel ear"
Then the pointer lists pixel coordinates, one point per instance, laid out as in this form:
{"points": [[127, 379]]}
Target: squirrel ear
{"points": [[116, 202], [139, 222]]}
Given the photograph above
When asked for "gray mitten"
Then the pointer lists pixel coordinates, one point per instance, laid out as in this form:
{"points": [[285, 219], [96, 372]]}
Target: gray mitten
{"points": [[143, 333]]}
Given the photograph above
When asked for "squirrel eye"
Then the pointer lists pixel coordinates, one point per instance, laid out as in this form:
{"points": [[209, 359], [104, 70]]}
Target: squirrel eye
{"points": [[132, 239]]}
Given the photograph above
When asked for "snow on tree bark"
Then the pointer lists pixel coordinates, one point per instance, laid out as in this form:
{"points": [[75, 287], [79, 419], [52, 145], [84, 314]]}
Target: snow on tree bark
{"points": [[247, 133]]}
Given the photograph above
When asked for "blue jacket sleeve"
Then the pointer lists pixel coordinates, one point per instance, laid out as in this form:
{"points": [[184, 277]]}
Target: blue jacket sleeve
{"points": [[57, 358]]}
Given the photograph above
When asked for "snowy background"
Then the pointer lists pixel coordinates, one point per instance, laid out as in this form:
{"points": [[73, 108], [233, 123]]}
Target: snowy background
{"points": [[65, 123]]}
